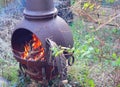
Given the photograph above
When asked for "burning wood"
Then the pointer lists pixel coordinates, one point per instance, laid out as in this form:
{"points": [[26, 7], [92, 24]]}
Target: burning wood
{"points": [[33, 50]]}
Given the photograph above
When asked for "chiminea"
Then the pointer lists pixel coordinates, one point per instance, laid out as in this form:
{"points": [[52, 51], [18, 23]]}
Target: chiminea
{"points": [[32, 37]]}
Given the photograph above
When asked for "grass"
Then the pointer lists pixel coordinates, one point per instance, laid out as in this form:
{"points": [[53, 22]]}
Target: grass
{"points": [[9, 71], [94, 62], [11, 74]]}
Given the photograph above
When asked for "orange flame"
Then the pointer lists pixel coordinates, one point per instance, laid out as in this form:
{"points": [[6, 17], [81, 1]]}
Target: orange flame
{"points": [[36, 43], [33, 50], [25, 54]]}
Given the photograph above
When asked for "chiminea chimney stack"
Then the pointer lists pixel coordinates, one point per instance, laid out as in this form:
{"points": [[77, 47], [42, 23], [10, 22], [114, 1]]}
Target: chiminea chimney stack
{"points": [[39, 9]]}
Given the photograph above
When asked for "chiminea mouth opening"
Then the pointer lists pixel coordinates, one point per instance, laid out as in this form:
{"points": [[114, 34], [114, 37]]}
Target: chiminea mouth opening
{"points": [[27, 46]]}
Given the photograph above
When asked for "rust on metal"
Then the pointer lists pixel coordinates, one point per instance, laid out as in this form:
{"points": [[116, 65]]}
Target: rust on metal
{"points": [[29, 39]]}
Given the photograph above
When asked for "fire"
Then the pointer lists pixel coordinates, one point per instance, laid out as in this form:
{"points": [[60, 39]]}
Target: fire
{"points": [[33, 50], [37, 42]]}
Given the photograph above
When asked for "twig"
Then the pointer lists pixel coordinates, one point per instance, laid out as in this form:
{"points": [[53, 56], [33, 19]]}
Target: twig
{"points": [[102, 25], [78, 11]]}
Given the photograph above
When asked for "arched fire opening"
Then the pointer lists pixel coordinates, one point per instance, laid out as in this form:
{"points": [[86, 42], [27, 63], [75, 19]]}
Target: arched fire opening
{"points": [[28, 50], [27, 45]]}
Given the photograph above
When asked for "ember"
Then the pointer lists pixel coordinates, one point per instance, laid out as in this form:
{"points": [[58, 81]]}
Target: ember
{"points": [[33, 50]]}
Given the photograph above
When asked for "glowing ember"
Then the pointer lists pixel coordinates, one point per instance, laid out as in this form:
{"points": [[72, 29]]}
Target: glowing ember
{"points": [[33, 50]]}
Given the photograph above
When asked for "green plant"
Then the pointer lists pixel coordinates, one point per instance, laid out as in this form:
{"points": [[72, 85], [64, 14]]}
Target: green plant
{"points": [[116, 62], [80, 72], [93, 50], [11, 74], [88, 5], [110, 1]]}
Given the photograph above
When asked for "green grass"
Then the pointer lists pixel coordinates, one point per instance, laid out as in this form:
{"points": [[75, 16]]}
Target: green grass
{"points": [[92, 58], [9, 71]]}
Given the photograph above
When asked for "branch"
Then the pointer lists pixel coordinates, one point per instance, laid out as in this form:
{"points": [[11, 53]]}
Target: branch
{"points": [[103, 24]]}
